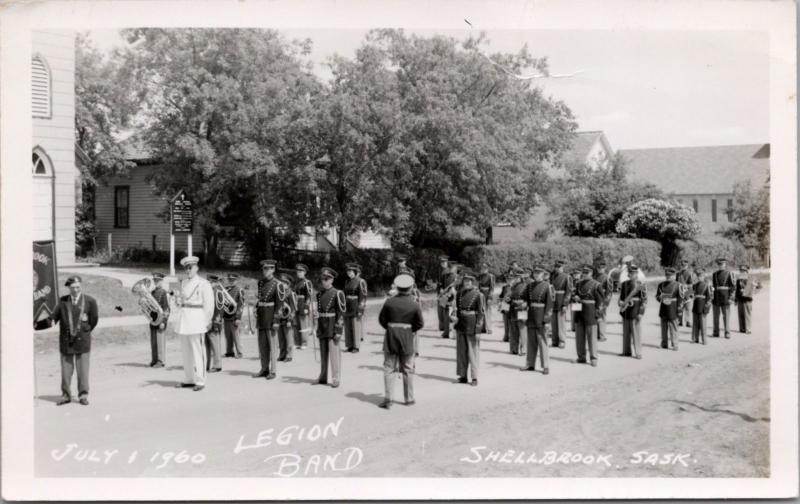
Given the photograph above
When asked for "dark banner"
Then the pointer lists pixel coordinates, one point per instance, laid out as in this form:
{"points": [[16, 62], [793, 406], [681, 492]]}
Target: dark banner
{"points": [[45, 282]]}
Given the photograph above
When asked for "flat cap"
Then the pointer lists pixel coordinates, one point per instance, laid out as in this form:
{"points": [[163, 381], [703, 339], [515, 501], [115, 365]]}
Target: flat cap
{"points": [[587, 268], [327, 272], [268, 263], [353, 267], [527, 270], [73, 279], [538, 268], [469, 276], [403, 281], [189, 261]]}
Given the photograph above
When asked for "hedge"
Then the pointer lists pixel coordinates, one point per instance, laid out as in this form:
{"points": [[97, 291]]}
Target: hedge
{"points": [[704, 251], [574, 251]]}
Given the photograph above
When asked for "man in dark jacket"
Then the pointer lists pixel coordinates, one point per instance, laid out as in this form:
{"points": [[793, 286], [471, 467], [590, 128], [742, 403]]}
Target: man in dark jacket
{"points": [[486, 283], [331, 307], [685, 277], [562, 287], [701, 305], [590, 295], [602, 279], [722, 282], [233, 321], [539, 298], [632, 304], [158, 345], [470, 311], [745, 288], [77, 315], [401, 317], [668, 293]]}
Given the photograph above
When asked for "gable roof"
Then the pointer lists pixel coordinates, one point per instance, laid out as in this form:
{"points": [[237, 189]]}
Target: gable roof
{"points": [[699, 170], [135, 149], [582, 145]]}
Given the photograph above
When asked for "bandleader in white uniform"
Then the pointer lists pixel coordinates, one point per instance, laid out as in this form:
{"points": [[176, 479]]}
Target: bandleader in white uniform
{"points": [[196, 303]]}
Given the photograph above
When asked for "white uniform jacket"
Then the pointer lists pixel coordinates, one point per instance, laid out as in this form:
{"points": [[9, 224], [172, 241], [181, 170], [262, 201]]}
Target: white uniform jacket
{"points": [[198, 306]]}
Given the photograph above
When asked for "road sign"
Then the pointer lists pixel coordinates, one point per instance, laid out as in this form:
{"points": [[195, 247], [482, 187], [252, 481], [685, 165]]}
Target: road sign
{"points": [[182, 214]]}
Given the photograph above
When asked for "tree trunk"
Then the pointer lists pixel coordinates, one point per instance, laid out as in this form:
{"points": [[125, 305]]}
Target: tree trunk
{"points": [[489, 237], [268, 252], [210, 242]]}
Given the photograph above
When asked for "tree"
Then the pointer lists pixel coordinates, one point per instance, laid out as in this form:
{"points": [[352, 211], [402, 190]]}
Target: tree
{"points": [[590, 201], [750, 216], [659, 220], [227, 111]]}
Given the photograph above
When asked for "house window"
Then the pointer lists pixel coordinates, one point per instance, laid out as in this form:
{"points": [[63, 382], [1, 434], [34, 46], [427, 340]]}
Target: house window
{"points": [[713, 210], [40, 165], [41, 91], [730, 210], [121, 201], [695, 205]]}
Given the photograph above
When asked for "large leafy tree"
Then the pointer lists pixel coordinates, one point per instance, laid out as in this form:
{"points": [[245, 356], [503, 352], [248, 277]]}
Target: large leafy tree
{"points": [[660, 220], [227, 111], [750, 216], [589, 201]]}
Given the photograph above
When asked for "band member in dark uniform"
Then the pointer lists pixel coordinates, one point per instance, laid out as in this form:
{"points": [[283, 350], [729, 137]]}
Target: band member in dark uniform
{"points": [[288, 305], [158, 339], [355, 292], [233, 321], [745, 289], [701, 305], [331, 305], [539, 296], [602, 278], [77, 316], [505, 307], [590, 295], [445, 289], [270, 293], [632, 304], [214, 334], [562, 286], [668, 294], [722, 282], [401, 317], [686, 278], [469, 308], [519, 315], [303, 318], [576, 278], [486, 283]]}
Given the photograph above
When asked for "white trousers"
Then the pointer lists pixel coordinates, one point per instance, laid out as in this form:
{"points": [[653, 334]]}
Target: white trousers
{"points": [[194, 358]]}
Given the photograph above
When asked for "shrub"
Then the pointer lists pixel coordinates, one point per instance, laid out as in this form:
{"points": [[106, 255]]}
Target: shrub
{"points": [[656, 219], [703, 251], [573, 250]]}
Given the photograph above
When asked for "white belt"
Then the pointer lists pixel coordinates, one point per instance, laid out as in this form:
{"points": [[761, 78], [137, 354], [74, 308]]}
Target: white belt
{"points": [[399, 324], [560, 292], [699, 297], [587, 301], [300, 296], [327, 315], [537, 305], [351, 297], [723, 288], [263, 304], [192, 306], [468, 312]]}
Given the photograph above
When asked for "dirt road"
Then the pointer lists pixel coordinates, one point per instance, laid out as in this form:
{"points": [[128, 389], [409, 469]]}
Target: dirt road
{"points": [[703, 411]]}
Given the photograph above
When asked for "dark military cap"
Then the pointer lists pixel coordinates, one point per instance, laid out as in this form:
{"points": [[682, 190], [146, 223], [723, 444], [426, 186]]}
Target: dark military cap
{"points": [[212, 278], [327, 272], [352, 267], [587, 268], [527, 270], [559, 263], [632, 268], [600, 263], [443, 258], [73, 279], [469, 276], [285, 278], [268, 263], [538, 268], [233, 276], [721, 260], [669, 271], [301, 267], [158, 276]]}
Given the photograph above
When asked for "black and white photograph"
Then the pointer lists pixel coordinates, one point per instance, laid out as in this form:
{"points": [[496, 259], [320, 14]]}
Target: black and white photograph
{"points": [[396, 250]]}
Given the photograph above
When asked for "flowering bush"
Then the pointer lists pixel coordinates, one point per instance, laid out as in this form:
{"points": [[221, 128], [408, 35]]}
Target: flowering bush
{"points": [[660, 220]]}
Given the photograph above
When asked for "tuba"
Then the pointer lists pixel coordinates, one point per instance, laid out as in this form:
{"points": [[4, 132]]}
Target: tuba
{"points": [[223, 299], [147, 303]]}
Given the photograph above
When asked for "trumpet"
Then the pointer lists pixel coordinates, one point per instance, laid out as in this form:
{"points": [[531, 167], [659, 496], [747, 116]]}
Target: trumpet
{"points": [[147, 303], [223, 299]]}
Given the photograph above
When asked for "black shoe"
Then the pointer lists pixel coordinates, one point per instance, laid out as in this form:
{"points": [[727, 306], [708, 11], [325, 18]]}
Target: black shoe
{"points": [[580, 361], [260, 374], [63, 401], [546, 371], [474, 383], [152, 364], [84, 401], [385, 404], [528, 368], [462, 380], [281, 359], [158, 365], [412, 402], [287, 359], [227, 355], [624, 355], [198, 388], [321, 382], [271, 376], [355, 350], [215, 370], [416, 354], [184, 385]]}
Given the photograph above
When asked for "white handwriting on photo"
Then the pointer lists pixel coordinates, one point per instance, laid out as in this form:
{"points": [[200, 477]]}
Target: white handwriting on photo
{"points": [[482, 454], [158, 459]]}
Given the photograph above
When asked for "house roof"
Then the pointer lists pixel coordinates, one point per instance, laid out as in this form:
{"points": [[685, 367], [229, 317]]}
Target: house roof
{"points": [[582, 146], [699, 170], [135, 149]]}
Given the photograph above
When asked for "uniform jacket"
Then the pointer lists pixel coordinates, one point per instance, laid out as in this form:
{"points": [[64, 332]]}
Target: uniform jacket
{"points": [[83, 316], [605, 286], [518, 302], [161, 297], [722, 281], [331, 307], [355, 292], [562, 286], [702, 297], [304, 291], [271, 294], [505, 292], [401, 317], [197, 309], [745, 287], [287, 304], [590, 294], [446, 278], [639, 300], [216, 319], [539, 296], [686, 277], [668, 294], [486, 286], [470, 310], [237, 294]]}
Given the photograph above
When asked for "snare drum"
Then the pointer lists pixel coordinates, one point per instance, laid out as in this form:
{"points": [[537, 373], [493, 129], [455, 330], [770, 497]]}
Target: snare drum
{"points": [[522, 315], [576, 306]]}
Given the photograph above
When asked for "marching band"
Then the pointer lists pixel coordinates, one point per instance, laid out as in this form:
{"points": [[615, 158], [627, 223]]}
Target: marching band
{"points": [[290, 311]]}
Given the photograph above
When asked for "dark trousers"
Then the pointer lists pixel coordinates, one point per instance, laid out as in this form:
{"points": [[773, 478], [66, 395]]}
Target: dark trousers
{"points": [[517, 341], [268, 350], [353, 332], [232, 344], [444, 319], [559, 327], [285, 340], [669, 333], [631, 337], [330, 350], [158, 345], [403, 364], [537, 343], [699, 328], [302, 328], [467, 347], [213, 350], [726, 313], [585, 335], [68, 364], [745, 309], [506, 326]]}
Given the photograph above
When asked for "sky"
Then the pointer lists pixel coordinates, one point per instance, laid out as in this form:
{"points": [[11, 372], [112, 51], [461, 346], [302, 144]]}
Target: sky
{"points": [[644, 89]]}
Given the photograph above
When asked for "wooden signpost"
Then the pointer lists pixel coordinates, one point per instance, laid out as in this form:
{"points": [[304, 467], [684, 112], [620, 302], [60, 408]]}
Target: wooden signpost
{"points": [[181, 221]]}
